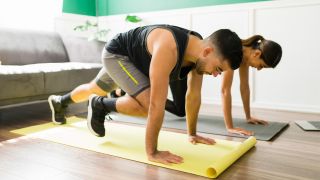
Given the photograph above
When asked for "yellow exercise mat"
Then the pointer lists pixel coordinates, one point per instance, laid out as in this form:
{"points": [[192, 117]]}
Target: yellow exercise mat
{"points": [[128, 142]]}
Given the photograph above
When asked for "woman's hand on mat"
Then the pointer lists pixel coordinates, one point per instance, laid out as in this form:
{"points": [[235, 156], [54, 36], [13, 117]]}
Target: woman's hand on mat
{"points": [[253, 120], [240, 131], [199, 139], [165, 157]]}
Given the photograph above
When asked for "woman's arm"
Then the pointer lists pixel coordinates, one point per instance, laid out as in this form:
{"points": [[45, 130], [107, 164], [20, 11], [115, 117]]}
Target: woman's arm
{"points": [[245, 95], [227, 104], [245, 89]]}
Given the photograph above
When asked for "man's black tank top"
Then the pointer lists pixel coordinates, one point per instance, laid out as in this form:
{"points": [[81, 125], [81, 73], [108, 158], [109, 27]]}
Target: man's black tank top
{"points": [[134, 45]]}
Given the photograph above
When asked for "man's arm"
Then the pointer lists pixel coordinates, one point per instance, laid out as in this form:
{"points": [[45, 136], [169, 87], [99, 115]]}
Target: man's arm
{"points": [[163, 48], [227, 98], [193, 102]]}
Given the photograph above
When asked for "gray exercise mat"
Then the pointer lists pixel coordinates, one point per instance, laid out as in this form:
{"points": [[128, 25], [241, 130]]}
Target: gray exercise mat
{"points": [[212, 125]]}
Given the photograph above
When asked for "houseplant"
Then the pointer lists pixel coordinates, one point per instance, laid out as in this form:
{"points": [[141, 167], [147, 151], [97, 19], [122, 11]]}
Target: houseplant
{"points": [[102, 33]]}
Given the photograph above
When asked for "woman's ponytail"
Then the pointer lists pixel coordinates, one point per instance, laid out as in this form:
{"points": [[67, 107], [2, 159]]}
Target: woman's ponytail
{"points": [[253, 41]]}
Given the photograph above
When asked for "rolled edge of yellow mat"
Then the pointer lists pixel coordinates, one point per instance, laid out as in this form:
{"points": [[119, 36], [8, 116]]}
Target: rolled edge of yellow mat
{"points": [[215, 170]]}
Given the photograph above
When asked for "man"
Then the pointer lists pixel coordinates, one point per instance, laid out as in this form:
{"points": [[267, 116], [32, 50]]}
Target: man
{"points": [[144, 61]]}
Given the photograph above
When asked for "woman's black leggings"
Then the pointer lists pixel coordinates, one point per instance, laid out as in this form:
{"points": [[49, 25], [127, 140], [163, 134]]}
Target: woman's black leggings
{"points": [[178, 90]]}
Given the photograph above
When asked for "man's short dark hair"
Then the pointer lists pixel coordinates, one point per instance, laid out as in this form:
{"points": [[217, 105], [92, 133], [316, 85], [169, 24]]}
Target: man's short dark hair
{"points": [[229, 46]]}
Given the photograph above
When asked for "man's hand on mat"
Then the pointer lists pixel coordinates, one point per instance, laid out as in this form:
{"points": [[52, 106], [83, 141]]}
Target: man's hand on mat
{"points": [[165, 157], [199, 139], [240, 131], [253, 120]]}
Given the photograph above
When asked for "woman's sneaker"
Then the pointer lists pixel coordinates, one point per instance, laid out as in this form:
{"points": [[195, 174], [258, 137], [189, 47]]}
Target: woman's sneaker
{"points": [[57, 109], [96, 116]]}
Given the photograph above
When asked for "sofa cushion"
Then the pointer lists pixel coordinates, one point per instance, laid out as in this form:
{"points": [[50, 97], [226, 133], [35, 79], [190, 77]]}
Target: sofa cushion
{"points": [[20, 47], [61, 77], [81, 50], [45, 78], [20, 81]]}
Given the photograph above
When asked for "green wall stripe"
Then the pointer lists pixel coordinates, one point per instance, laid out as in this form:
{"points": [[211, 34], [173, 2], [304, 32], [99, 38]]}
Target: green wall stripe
{"points": [[113, 7], [83, 7], [133, 6], [103, 8]]}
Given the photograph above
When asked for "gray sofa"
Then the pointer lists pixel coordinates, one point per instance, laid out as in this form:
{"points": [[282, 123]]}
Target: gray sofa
{"points": [[37, 64]]}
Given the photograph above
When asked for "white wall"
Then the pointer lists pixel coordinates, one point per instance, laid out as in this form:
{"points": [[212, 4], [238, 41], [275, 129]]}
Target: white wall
{"points": [[66, 23], [293, 85], [30, 14]]}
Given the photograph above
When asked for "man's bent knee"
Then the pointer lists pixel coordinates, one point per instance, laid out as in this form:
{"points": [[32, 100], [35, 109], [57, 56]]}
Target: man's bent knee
{"points": [[95, 89], [144, 100]]}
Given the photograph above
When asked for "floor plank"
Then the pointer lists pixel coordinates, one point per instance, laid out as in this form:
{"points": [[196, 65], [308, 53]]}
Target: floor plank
{"points": [[294, 154]]}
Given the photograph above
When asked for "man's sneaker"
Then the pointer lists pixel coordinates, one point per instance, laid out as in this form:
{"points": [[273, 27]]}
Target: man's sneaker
{"points": [[96, 116], [57, 109]]}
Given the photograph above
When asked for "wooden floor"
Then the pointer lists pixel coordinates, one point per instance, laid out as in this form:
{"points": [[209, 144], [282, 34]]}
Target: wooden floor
{"points": [[294, 154]]}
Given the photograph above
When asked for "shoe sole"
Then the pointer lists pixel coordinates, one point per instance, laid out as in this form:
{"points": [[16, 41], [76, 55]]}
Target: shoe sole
{"points": [[89, 117], [52, 111]]}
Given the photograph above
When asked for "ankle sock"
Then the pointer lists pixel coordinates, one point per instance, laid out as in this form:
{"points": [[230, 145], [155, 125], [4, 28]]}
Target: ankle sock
{"points": [[66, 99], [114, 94], [122, 92], [109, 104]]}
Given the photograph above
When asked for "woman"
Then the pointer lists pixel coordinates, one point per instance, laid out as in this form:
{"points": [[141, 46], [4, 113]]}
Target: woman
{"points": [[258, 53]]}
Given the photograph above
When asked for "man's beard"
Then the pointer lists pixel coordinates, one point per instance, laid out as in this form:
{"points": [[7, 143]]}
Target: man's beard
{"points": [[200, 67]]}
